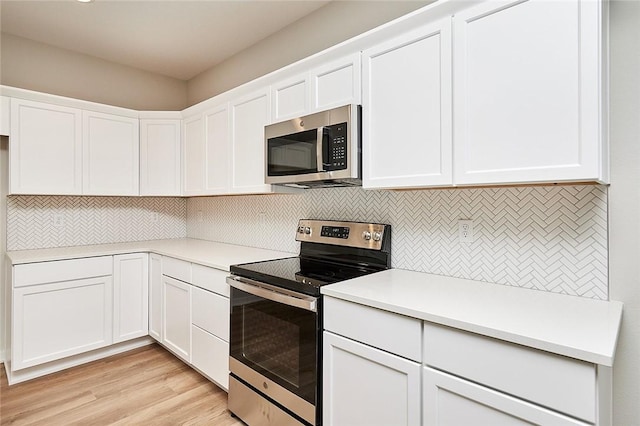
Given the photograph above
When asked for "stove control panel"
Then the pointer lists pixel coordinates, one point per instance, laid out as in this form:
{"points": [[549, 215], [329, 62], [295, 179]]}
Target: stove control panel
{"points": [[352, 234]]}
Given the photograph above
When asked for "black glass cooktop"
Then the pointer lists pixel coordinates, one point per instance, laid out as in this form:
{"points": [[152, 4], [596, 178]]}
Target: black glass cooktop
{"points": [[300, 274]]}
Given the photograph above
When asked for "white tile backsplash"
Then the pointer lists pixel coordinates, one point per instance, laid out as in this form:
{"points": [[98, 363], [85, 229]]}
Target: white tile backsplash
{"points": [[551, 238], [91, 220]]}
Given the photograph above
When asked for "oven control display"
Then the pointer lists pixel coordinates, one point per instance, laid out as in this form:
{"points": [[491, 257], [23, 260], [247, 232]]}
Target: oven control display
{"points": [[335, 232]]}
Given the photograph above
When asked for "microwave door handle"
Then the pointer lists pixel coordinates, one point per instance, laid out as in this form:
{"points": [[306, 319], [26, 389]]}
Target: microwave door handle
{"points": [[319, 150], [274, 294]]}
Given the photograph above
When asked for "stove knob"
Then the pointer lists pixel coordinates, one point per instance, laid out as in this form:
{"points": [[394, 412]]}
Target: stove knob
{"points": [[366, 235], [377, 236], [307, 230]]}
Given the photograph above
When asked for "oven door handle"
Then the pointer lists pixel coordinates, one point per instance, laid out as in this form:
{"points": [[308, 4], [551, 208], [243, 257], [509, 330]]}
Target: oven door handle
{"points": [[275, 294]]}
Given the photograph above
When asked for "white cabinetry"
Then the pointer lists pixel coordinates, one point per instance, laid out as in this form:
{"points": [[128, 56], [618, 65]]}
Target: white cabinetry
{"points": [[110, 154], [130, 296], [377, 381], [45, 149], [407, 140], [249, 115], [60, 309], [529, 86], [218, 150], [155, 296], [5, 113], [333, 84], [194, 156], [176, 317], [160, 151]]}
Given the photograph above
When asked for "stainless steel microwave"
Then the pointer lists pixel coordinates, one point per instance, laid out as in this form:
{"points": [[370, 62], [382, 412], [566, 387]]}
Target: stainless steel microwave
{"points": [[317, 150]]}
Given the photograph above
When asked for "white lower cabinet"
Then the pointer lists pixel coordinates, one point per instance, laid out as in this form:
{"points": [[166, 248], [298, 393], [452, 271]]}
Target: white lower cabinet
{"points": [[367, 386], [155, 296], [176, 316], [210, 356], [60, 309], [130, 296], [450, 400]]}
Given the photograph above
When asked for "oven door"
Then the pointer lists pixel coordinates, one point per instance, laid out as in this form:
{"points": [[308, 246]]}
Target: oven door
{"points": [[274, 343]]}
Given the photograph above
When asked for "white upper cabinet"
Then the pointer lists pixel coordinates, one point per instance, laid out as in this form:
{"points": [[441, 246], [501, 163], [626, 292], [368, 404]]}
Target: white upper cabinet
{"points": [[335, 83], [249, 115], [218, 150], [110, 154], [528, 81], [5, 113], [330, 85], [407, 109], [45, 149], [194, 157], [160, 150]]}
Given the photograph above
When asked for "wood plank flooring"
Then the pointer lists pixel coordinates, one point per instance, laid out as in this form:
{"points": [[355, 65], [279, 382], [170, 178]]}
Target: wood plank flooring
{"points": [[146, 386]]}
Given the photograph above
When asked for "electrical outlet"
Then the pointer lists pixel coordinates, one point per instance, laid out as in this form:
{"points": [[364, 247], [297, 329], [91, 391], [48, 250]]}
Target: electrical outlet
{"points": [[58, 220], [465, 230], [262, 219], [199, 216], [154, 217]]}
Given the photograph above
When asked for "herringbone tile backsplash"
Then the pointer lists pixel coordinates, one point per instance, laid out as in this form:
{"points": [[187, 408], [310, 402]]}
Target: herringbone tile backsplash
{"points": [[91, 220], [548, 238]]}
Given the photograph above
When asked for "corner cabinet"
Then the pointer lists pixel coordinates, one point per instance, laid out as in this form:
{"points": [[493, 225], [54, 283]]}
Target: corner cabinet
{"points": [[407, 139], [45, 149], [160, 153], [530, 90], [110, 154]]}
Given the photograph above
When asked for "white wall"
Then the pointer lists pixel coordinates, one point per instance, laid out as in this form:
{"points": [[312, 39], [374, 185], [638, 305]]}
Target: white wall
{"points": [[36, 66], [624, 204], [326, 27]]}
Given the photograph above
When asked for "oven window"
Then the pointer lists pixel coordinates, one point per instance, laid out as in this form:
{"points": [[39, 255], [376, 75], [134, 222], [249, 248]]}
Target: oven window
{"points": [[276, 340], [293, 154]]}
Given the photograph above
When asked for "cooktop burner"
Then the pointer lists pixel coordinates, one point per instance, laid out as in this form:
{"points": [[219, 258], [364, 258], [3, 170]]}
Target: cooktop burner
{"points": [[329, 252], [300, 274]]}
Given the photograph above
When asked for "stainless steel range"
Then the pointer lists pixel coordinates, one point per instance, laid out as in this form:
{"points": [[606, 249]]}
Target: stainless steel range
{"points": [[276, 319]]}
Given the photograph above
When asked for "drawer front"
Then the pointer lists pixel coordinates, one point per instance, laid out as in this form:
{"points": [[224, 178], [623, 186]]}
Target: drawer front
{"points": [[210, 279], [175, 268], [210, 356], [557, 382], [381, 329], [61, 270], [210, 311]]}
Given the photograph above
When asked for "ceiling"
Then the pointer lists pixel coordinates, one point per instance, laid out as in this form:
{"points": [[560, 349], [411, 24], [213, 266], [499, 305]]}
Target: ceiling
{"points": [[176, 38]]}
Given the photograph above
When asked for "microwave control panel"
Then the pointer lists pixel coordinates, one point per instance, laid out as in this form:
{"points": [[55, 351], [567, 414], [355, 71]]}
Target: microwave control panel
{"points": [[335, 147]]}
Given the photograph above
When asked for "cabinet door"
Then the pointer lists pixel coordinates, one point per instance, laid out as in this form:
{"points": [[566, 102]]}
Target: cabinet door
{"points": [[366, 386], [194, 158], [130, 296], [45, 153], [249, 115], [336, 83], [406, 124], [290, 98], [53, 321], [528, 92], [110, 154], [451, 401], [176, 317], [155, 296], [218, 150], [160, 149]]}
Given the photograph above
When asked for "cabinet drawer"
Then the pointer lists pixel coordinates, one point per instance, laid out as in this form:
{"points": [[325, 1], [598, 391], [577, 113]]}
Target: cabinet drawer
{"points": [[210, 312], [381, 329], [210, 356], [61, 270], [557, 382], [178, 269], [210, 279]]}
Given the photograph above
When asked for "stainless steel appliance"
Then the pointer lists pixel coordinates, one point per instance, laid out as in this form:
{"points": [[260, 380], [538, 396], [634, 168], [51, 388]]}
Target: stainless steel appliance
{"points": [[276, 319], [317, 150]]}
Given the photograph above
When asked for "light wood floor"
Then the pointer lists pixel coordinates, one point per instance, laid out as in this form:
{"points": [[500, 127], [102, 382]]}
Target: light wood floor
{"points": [[146, 386]]}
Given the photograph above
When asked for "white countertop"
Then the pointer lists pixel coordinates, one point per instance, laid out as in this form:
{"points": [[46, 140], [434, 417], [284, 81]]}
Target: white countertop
{"points": [[208, 253], [576, 327]]}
